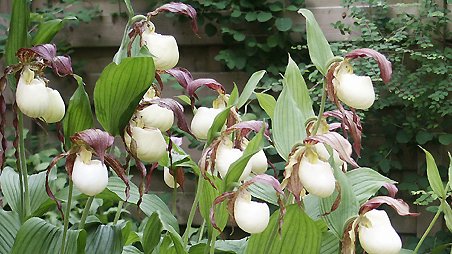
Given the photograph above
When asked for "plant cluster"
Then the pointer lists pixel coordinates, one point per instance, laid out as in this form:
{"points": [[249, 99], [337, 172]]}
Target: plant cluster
{"points": [[324, 202]]}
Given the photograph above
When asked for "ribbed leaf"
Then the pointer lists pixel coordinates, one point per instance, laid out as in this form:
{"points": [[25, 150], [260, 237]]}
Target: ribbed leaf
{"points": [[153, 204], [40, 237], [171, 244], [119, 90], [264, 192], [116, 191], [447, 214], [18, 30], [48, 29], [151, 233], [233, 97], [330, 243], [300, 234], [293, 108], [106, 239], [236, 169], [347, 208], [9, 225], [433, 175], [218, 124], [267, 103], [319, 48], [9, 181], [249, 87], [206, 201], [78, 116], [131, 250], [366, 182]]}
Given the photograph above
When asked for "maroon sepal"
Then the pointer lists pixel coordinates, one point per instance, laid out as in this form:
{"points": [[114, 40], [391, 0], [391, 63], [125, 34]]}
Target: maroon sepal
{"points": [[399, 205], [383, 63], [61, 65], [179, 8], [97, 139]]}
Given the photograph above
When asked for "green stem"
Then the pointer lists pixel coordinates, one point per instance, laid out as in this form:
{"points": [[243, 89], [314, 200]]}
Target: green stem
{"points": [[81, 225], [201, 230], [118, 212], [66, 215], [322, 109], [428, 230], [191, 215], [23, 163], [212, 242], [174, 208]]}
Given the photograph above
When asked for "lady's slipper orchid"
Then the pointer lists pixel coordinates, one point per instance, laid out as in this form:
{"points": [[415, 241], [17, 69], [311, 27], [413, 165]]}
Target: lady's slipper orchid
{"points": [[251, 216], [56, 108], [157, 117], [89, 176], [169, 179], [316, 176], [376, 234], [150, 144], [32, 96], [324, 155], [162, 47], [224, 159], [203, 120], [258, 163]]}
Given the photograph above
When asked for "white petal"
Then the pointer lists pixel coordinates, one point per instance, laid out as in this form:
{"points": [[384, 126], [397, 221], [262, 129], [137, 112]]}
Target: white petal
{"points": [[355, 91], [224, 159], [151, 145], [56, 108], [157, 117], [32, 98], [259, 163], [376, 234], [203, 120], [251, 216], [90, 179], [323, 154], [169, 179], [163, 48], [317, 178]]}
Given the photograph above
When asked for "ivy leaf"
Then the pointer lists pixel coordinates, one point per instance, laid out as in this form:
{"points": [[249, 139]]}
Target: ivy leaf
{"points": [[264, 16], [119, 90], [283, 24]]}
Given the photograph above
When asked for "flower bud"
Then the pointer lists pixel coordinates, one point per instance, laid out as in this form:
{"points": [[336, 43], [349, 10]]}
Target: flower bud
{"points": [[151, 145], [163, 49], [376, 234], [224, 159], [169, 179], [157, 117], [32, 96], [251, 216], [56, 108], [89, 177], [202, 121], [316, 176], [258, 163], [355, 91]]}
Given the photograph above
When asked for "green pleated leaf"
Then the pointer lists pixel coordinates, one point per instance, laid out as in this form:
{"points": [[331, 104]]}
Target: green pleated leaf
{"points": [[366, 182], [106, 239], [330, 243], [249, 87], [79, 116], [131, 250], [40, 237], [218, 124], [319, 48], [233, 97], [119, 90], [48, 29], [209, 194], [264, 192], [433, 175], [293, 108], [116, 191], [9, 225], [267, 103], [153, 204], [348, 206], [447, 214], [171, 244], [300, 234], [236, 169], [151, 233], [9, 180], [18, 30]]}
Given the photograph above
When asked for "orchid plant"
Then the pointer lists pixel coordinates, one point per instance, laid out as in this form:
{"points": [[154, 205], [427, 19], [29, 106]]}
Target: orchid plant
{"points": [[323, 203]]}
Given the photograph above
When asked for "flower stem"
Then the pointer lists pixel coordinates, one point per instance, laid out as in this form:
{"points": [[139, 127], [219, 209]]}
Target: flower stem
{"points": [[81, 225], [118, 212], [428, 230], [322, 109], [175, 198], [66, 216], [201, 230], [191, 215], [23, 163]]}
